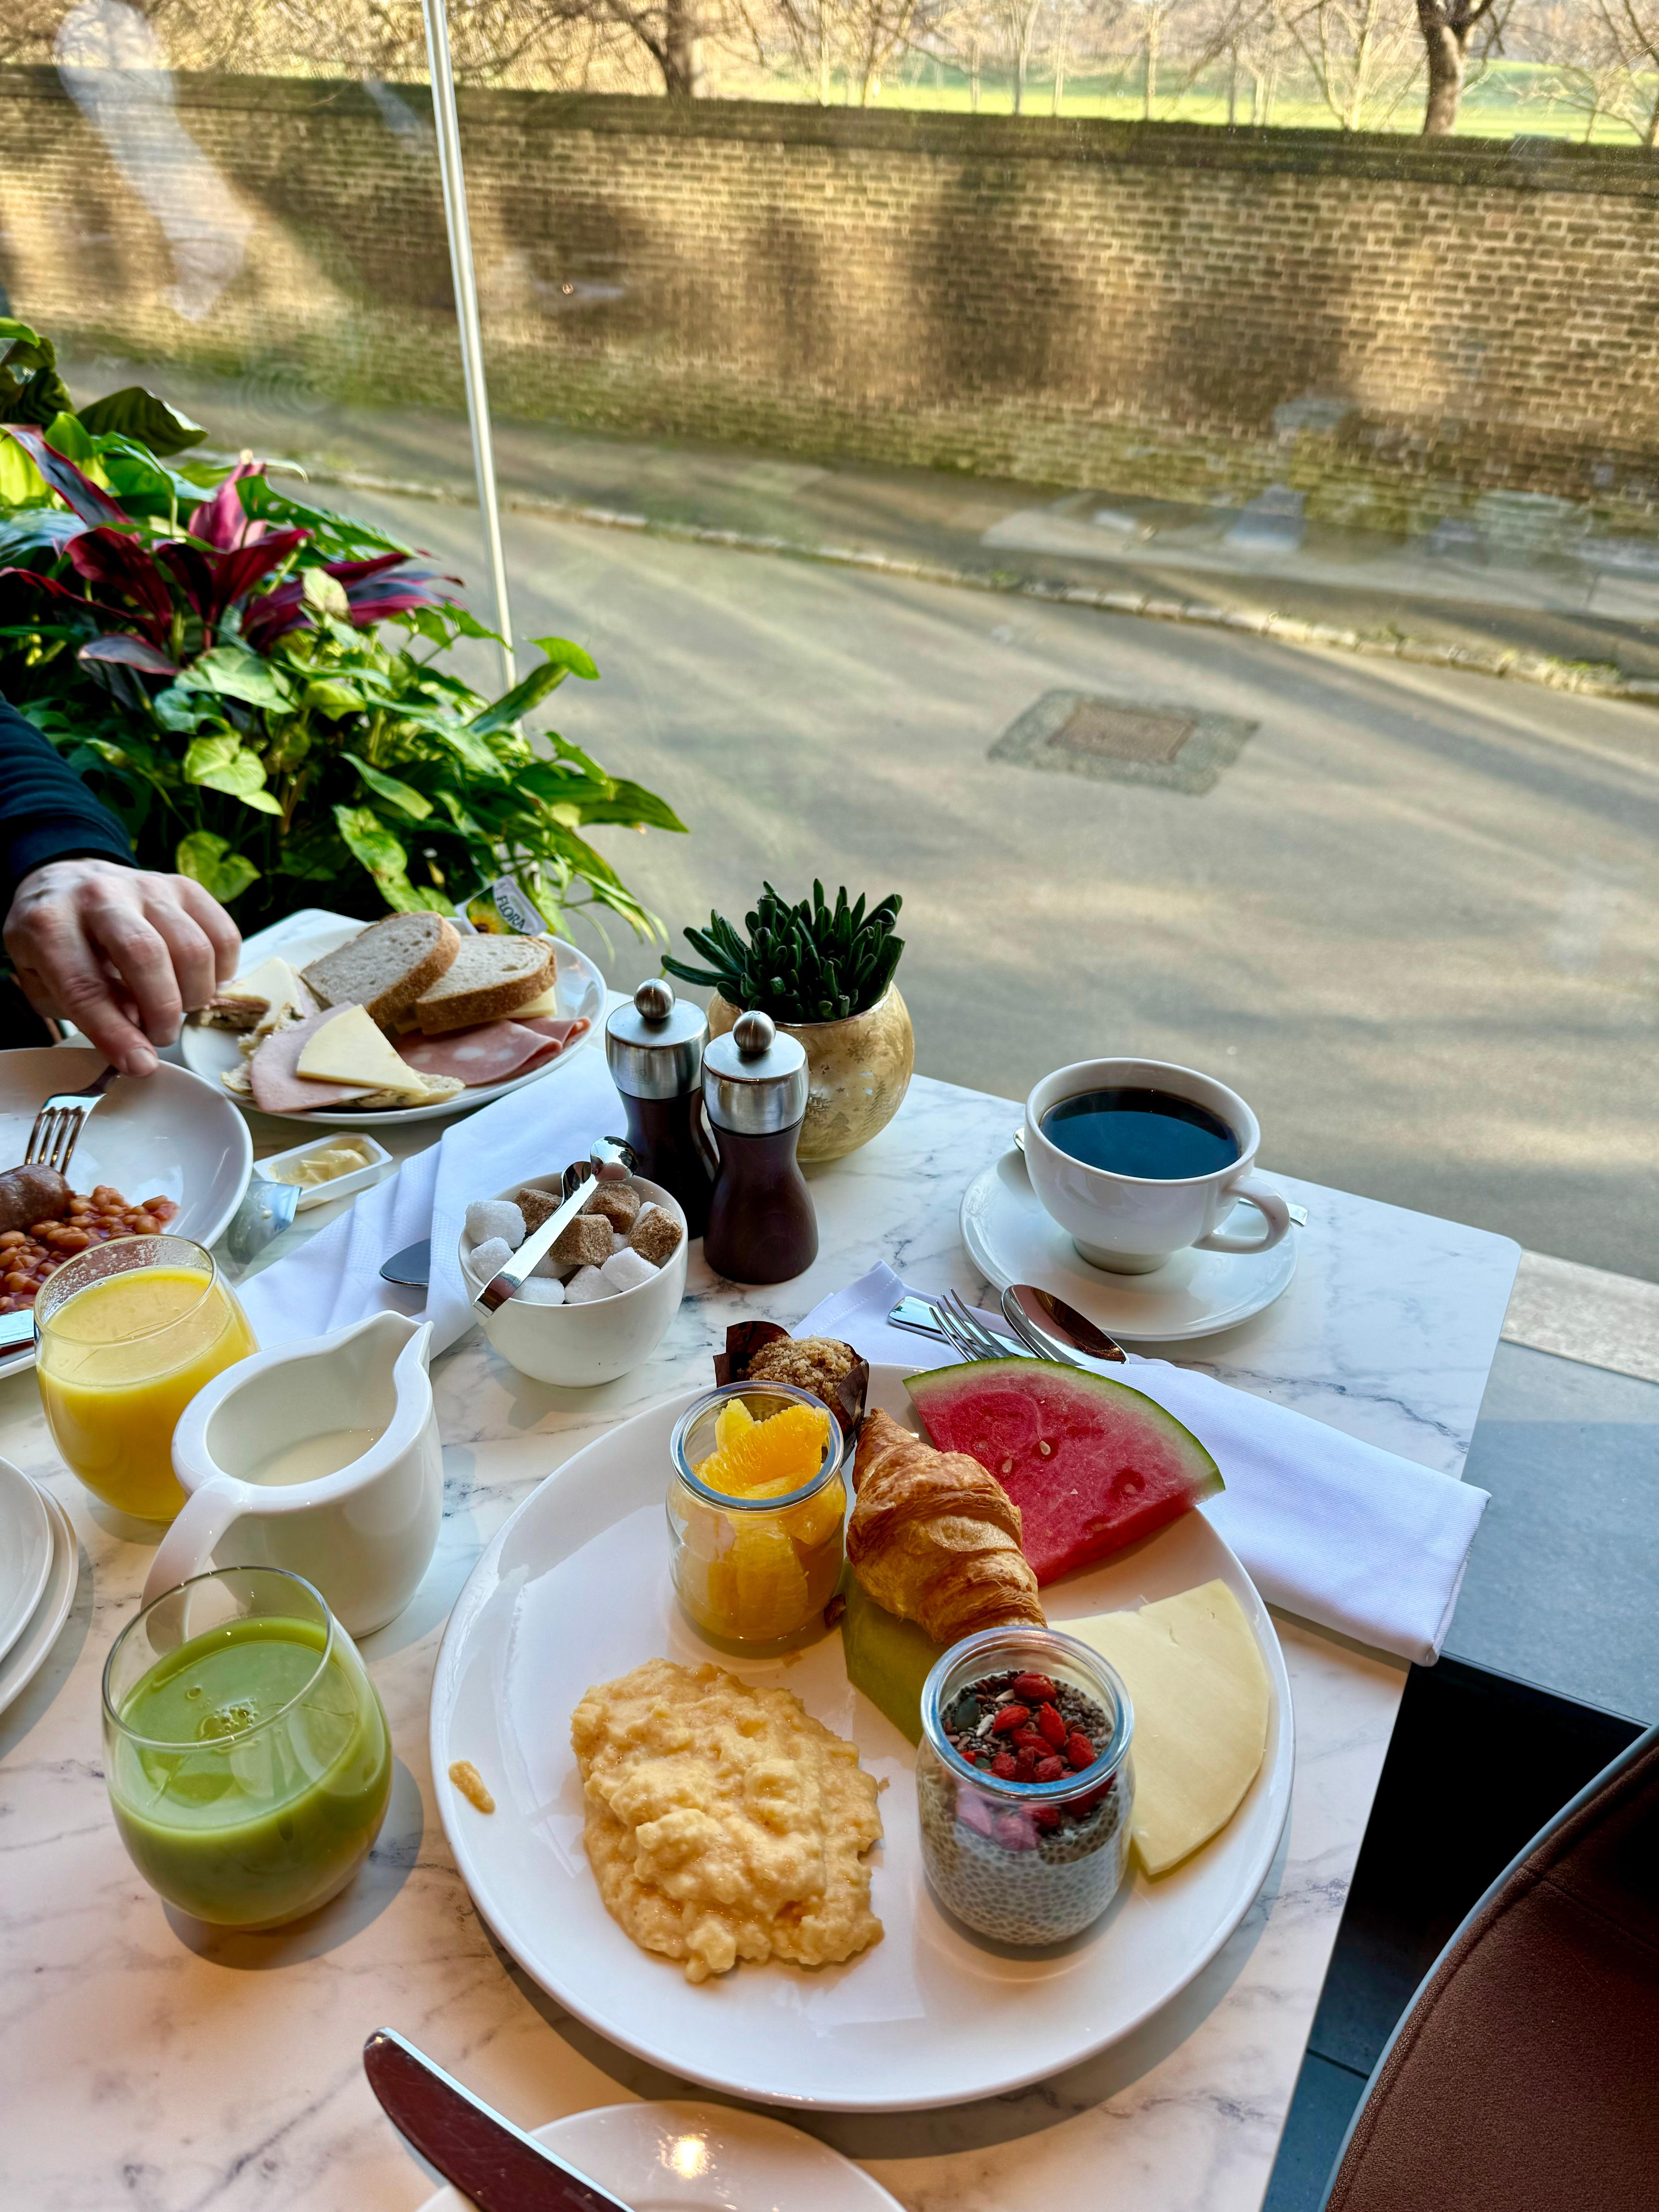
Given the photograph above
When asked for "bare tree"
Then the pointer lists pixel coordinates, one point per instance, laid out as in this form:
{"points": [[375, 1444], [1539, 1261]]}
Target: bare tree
{"points": [[1361, 54], [1020, 21], [1610, 68], [1448, 25]]}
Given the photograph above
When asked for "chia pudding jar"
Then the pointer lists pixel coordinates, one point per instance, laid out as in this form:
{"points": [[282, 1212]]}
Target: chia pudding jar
{"points": [[1023, 1862], [755, 1571]]}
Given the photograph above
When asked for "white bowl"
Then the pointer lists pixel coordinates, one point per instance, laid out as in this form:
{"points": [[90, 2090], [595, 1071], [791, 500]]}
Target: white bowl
{"points": [[580, 1345]]}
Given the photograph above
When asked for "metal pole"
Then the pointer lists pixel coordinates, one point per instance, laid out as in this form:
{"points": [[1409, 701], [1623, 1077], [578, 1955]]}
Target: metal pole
{"points": [[466, 315]]}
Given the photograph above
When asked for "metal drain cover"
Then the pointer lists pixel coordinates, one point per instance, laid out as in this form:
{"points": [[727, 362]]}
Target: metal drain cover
{"points": [[1069, 734]]}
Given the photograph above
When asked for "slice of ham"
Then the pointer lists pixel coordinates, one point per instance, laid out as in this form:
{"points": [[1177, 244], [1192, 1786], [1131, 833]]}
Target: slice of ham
{"points": [[491, 1052], [277, 1086]]}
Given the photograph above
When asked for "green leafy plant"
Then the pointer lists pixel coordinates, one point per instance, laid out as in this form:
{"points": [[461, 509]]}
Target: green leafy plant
{"points": [[213, 655], [811, 963]]}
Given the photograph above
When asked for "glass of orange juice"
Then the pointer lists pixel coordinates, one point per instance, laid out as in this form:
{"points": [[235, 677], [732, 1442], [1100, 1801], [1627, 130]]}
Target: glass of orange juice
{"points": [[126, 1334]]}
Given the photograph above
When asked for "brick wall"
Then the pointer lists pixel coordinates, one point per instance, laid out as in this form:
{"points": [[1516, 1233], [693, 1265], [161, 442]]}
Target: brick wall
{"points": [[1133, 308]]}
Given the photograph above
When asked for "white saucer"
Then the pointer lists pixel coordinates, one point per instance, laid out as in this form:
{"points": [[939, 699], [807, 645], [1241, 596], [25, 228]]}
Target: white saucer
{"points": [[701, 2158], [26, 1657], [1010, 1239], [25, 1551]]}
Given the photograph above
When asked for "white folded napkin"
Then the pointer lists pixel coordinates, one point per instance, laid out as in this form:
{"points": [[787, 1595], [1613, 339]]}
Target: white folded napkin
{"points": [[335, 1277], [1329, 1527]]}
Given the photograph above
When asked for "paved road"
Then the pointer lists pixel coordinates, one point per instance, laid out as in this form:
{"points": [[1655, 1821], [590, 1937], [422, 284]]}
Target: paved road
{"points": [[1417, 923]]}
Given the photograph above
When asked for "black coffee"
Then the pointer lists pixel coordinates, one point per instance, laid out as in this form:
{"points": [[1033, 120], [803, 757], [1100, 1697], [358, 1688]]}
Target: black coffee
{"points": [[1150, 1133]]}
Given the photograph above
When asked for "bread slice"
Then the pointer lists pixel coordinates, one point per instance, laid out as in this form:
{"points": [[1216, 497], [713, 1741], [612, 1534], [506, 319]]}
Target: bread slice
{"points": [[387, 966], [490, 977]]}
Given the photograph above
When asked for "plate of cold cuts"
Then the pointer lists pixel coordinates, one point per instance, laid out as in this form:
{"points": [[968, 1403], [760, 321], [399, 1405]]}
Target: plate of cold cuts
{"points": [[410, 1019]]}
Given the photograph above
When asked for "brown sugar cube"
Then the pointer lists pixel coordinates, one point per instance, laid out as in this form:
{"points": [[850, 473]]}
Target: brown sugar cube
{"points": [[655, 1235], [619, 1202], [536, 1205], [585, 1243]]}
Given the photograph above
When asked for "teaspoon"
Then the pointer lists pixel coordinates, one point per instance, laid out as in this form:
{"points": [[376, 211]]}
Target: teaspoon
{"points": [[1052, 1329]]}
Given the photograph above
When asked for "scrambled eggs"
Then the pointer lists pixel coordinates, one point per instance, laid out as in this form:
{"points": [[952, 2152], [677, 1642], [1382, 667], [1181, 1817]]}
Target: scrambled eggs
{"points": [[724, 1822]]}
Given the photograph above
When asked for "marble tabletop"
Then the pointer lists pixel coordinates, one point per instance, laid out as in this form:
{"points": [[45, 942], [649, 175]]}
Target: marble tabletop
{"points": [[147, 2061]]}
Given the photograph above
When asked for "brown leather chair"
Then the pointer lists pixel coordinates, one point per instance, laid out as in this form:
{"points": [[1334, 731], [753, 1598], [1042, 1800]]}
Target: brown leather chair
{"points": [[1525, 2075]]}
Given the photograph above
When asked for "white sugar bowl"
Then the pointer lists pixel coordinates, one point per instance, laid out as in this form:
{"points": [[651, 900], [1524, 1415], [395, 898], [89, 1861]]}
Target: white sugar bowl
{"points": [[579, 1345]]}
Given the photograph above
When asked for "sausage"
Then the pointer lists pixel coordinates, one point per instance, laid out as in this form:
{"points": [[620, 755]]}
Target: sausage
{"points": [[32, 1194]]}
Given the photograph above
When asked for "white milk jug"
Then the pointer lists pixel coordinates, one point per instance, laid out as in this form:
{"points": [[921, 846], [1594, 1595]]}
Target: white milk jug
{"points": [[322, 1457]]}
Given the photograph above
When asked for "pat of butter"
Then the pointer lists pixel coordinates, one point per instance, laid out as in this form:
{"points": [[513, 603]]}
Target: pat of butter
{"points": [[326, 1165], [351, 1049], [1200, 1696], [545, 1002]]}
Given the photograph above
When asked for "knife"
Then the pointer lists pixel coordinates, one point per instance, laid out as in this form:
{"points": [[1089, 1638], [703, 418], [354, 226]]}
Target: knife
{"points": [[499, 2167], [610, 1161]]}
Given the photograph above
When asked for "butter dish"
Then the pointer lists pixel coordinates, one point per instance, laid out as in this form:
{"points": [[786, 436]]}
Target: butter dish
{"points": [[377, 1163]]}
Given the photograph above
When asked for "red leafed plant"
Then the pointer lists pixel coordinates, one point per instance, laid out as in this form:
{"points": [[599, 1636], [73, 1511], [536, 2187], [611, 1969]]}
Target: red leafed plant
{"points": [[208, 650]]}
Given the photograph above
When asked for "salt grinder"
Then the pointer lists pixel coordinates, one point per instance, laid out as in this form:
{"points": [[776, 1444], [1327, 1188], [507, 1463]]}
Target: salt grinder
{"points": [[762, 1228], [654, 1050]]}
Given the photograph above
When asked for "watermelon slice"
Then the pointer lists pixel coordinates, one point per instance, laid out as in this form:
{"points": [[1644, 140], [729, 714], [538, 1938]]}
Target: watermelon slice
{"points": [[1091, 1465]]}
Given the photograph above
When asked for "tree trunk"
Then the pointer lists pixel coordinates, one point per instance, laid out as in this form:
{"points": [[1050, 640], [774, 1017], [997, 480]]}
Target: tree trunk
{"points": [[973, 73], [1444, 44], [1059, 65], [1154, 26], [823, 54], [682, 54]]}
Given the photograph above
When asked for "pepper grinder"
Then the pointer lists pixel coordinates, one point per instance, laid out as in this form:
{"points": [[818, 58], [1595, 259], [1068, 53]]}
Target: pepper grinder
{"points": [[654, 1050], [762, 1228]]}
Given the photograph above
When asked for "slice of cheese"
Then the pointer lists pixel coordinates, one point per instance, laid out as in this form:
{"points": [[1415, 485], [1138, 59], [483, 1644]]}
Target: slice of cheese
{"points": [[1200, 1691], [351, 1049], [544, 1002], [275, 981]]}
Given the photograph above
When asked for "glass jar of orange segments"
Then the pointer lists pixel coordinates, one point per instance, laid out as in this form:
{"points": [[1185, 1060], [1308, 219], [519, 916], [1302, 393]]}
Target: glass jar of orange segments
{"points": [[757, 1507]]}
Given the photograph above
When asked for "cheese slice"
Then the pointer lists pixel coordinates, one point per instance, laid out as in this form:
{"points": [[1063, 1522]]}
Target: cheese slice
{"points": [[544, 1002], [1195, 1678], [275, 981], [351, 1049]]}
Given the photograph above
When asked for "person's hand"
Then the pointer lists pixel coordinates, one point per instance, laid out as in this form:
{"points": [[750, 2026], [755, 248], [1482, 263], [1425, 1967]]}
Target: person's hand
{"points": [[122, 954]]}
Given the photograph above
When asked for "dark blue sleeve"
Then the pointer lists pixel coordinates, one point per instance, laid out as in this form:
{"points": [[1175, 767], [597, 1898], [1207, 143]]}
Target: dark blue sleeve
{"points": [[47, 812]]}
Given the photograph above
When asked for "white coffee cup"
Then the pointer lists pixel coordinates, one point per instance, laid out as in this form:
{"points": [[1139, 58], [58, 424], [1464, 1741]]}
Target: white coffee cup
{"points": [[362, 1532], [1131, 1223]]}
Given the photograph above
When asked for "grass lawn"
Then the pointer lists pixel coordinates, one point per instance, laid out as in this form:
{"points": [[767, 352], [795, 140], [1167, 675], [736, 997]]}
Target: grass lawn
{"points": [[1509, 100]]}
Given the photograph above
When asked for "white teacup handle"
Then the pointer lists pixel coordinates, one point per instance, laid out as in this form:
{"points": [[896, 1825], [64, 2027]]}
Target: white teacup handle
{"points": [[188, 1546], [1268, 1203]]}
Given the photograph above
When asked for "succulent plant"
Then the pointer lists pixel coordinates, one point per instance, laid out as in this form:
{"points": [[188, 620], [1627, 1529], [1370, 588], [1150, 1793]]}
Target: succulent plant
{"points": [[811, 963]]}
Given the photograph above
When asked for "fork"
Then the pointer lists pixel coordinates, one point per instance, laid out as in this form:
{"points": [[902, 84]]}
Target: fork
{"points": [[928, 1316], [58, 1124]]}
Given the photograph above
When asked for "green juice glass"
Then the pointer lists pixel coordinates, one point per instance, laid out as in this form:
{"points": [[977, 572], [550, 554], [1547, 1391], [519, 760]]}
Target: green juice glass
{"points": [[246, 1750]]}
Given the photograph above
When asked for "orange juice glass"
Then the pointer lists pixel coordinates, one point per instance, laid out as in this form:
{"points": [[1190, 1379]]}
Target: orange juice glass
{"points": [[126, 1334]]}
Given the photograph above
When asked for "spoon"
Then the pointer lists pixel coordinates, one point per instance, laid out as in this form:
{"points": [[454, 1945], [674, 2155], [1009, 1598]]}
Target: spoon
{"points": [[1052, 1329]]}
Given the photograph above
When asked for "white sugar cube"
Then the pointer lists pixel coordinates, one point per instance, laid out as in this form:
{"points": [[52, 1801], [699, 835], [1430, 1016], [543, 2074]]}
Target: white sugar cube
{"points": [[626, 1270], [539, 1291], [548, 1269], [490, 1257], [585, 1286], [488, 1218]]}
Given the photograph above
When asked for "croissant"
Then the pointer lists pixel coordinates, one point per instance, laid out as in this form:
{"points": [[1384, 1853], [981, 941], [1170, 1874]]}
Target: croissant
{"points": [[935, 1537]]}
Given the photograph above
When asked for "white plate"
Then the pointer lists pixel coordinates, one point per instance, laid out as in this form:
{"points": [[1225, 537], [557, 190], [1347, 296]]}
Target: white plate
{"points": [[1010, 1239], [213, 1053], [574, 1590], [701, 2158], [25, 1551], [26, 1657], [165, 1135]]}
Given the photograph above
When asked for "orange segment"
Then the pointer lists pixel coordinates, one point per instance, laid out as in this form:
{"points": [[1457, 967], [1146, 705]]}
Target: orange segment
{"points": [[774, 1456]]}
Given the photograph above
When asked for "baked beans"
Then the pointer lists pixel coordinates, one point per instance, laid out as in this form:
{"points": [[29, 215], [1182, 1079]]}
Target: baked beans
{"points": [[27, 1256]]}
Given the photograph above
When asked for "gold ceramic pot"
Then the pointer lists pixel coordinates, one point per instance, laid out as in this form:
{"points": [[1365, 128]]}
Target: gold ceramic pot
{"points": [[859, 1070]]}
